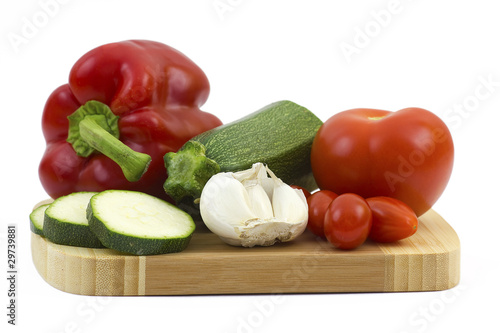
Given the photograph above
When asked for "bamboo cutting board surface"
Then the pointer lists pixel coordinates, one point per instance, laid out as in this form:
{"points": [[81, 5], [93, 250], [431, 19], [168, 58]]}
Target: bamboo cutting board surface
{"points": [[429, 260]]}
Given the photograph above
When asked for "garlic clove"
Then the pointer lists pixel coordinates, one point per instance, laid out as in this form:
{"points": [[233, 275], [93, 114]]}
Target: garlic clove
{"points": [[224, 204], [259, 200], [289, 204], [268, 185], [257, 172]]}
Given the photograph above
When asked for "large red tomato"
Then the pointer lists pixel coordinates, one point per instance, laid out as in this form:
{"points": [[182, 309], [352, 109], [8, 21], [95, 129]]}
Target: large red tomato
{"points": [[407, 155]]}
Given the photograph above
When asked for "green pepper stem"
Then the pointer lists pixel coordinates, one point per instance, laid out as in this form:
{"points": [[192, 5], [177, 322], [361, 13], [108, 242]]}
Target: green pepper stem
{"points": [[132, 163]]}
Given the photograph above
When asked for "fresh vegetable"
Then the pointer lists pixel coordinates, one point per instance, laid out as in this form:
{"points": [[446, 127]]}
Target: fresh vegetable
{"points": [[36, 219], [307, 194], [279, 135], [248, 208], [65, 221], [318, 203], [407, 155], [348, 220], [138, 223], [393, 220], [134, 95]]}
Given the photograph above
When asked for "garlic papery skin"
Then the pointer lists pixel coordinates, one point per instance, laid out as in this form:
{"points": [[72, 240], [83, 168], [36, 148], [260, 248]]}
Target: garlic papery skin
{"points": [[249, 208]]}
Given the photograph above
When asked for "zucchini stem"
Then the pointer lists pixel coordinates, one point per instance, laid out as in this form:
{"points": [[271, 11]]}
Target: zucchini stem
{"points": [[188, 171]]}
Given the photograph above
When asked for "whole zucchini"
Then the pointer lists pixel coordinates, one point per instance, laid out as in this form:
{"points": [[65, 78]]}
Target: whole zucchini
{"points": [[279, 135]]}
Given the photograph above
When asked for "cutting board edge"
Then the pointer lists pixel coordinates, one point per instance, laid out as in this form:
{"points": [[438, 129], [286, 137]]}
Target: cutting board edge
{"points": [[53, 264]]}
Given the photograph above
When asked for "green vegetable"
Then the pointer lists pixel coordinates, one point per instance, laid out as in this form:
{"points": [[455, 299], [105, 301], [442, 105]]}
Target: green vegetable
{"points": [[36, 219], [94, 127], [138, 223], [279, 135], [65, 221]]}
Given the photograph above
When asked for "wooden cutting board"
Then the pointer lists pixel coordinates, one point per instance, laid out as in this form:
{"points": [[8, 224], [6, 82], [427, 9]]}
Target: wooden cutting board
{"points": [[429, 260]]}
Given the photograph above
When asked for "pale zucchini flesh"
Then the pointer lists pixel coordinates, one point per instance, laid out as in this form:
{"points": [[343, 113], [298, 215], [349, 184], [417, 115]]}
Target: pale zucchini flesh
{"points": [[138, 223], [65, 221]]}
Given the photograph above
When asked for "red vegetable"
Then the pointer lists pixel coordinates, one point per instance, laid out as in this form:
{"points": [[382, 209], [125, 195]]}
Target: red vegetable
{"points": [[392, 220], [318, 203], [131, 96], [407, 155], [307, 194], [348, 220]]}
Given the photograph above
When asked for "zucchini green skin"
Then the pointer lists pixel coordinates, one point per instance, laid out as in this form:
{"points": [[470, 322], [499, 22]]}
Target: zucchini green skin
{"points": [[279, 135], [67, 232], [136, 245], [130, 243], [36, 219]]}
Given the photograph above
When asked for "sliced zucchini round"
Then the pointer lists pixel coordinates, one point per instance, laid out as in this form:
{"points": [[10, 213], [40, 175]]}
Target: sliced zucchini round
{"points": [[36, 219], [65, 221], [138, 223]]}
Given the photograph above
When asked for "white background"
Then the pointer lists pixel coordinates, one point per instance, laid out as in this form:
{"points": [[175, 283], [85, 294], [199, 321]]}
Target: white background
{"points": [[440, 55]]}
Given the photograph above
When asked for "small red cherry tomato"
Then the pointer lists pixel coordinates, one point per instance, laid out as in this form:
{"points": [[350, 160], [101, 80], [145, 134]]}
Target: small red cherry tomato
{"points": [[307, 194], [348, 220], [318, 203], [392, 220]]}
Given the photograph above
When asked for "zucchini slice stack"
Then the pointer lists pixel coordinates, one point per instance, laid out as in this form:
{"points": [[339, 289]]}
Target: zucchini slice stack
{"points": [[126, 221]]}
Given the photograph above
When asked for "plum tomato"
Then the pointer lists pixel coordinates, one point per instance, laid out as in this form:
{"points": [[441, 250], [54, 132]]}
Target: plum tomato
{"points": [[392, 220], [318, 203], [348, 221]]}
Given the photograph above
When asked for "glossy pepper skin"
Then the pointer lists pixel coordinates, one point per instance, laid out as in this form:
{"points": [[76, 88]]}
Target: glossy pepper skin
{"points": [[156, 92]]}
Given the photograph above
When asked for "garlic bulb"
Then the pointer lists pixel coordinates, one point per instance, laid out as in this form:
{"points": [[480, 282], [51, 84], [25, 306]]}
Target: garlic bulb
{"points": [[249, 208]]}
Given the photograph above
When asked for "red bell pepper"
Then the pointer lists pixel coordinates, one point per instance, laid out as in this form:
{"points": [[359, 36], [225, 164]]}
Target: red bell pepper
{"points": [[126, 105]]}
